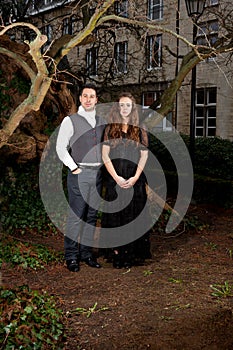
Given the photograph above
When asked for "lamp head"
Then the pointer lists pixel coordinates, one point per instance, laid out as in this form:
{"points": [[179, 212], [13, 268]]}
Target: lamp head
{"points": [[195, 8]]}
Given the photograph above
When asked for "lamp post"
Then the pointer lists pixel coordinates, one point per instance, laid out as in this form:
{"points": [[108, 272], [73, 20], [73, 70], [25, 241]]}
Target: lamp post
{"points": [[195, 9]]}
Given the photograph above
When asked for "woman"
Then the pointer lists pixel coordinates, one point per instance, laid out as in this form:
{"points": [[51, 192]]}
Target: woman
{"points": [[125, 154]]}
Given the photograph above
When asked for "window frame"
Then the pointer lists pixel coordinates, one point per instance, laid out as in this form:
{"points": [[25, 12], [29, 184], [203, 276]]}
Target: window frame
{"points": [[48, 31], [121, 8], [92, 61], [68, 25], [121, 49], [206, 107], [205, 32], [153, 57], [210, 3], [164, 123], [155, 10]]}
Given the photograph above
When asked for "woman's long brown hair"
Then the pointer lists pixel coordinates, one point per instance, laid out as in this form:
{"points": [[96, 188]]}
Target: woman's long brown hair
{"points": [[115, 121]]}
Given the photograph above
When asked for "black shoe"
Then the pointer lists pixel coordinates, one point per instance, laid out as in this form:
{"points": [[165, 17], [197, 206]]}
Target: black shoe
{"points": [[72, 265], [139, 262], [92, 263], [117, 264], [127, 265]]}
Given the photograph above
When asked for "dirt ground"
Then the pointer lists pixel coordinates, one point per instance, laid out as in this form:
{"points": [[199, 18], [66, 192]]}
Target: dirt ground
{"points": [[167, 304]]}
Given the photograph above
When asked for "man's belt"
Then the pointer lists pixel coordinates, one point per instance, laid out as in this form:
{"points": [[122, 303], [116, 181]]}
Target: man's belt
{"points": [[93, 167]]}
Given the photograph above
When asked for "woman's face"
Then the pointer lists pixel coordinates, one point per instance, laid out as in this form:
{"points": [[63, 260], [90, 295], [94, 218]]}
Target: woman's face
{"points": [[125, 105]]}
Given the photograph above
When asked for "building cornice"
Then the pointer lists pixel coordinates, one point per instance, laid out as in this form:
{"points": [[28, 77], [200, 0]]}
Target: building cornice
{"points": [[47, 7]]}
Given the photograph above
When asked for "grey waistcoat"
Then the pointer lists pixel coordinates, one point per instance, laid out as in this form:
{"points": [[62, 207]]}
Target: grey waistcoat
{"points": [[85, 144]]}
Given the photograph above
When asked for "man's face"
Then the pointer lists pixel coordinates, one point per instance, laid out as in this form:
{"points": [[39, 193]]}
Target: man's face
{"points": [[88, 99]]}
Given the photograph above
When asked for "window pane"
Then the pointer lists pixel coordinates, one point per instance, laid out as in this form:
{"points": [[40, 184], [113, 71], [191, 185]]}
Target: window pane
{"points": [[149, 98], [199, 132], [155, 9], [169, 119], [211, 132], [121, 57], [201, 30], [207, 33], [213, 27], [200, 122], [121, 8], [65, 26], [213, 39], [212, 112], [154, 51], [212, 122], [213, 2], [91, 58], [199, 112], [202, 41], [200, 97], [212, 96]]}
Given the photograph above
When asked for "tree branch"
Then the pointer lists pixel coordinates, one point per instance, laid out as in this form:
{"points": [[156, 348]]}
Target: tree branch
{"points": [[76, 40], [168, 97], [40, 84]]}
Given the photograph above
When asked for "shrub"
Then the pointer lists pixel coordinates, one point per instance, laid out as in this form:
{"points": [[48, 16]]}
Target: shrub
{"points": [[35, 256], [30, 320], [22, 207], [213, 156], [213, 167]]}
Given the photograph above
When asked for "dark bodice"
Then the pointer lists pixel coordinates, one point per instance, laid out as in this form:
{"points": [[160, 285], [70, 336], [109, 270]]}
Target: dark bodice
{"points": [[125, 154]]}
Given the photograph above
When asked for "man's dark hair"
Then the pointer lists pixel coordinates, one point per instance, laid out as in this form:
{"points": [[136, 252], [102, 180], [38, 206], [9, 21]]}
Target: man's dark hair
{"points": [[88, 86]]}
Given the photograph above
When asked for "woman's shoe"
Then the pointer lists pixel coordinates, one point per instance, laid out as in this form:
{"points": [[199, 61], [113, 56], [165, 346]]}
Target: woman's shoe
{"points": [[139, 261], [117, 264], [116, 261], [127, 265]]}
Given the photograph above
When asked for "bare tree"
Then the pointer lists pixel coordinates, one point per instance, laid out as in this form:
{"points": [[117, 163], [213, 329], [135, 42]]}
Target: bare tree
{"points": [[43, 72]]}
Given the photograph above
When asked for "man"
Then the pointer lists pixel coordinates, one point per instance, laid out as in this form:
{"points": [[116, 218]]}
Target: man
{"points": [[79, 148]]}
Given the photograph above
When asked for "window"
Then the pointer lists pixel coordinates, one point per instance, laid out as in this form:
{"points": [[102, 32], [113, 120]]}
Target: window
{"points": [[147, 100], [207, 33], [46, 2], [205, 112], [120, 56], [68, 26], [92, 9], [92, 61], [154, 51], [155, 9], [121, 8], [48, 32], [211, 3]]}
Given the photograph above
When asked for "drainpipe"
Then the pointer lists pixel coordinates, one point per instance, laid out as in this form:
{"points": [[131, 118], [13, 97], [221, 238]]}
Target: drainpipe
{"points": [[177, 54]]}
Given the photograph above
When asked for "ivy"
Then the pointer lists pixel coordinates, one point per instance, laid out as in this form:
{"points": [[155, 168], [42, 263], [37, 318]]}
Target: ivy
{"points": [[34, 256], [30, 320], [22, 208]]}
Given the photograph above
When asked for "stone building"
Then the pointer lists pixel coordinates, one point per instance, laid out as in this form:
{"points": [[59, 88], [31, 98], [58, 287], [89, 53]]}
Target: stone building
{"points": [[120, 57]]}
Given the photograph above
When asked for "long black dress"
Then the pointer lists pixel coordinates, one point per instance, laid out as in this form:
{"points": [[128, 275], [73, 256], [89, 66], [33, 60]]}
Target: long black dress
{"points": [[125, 155]]}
